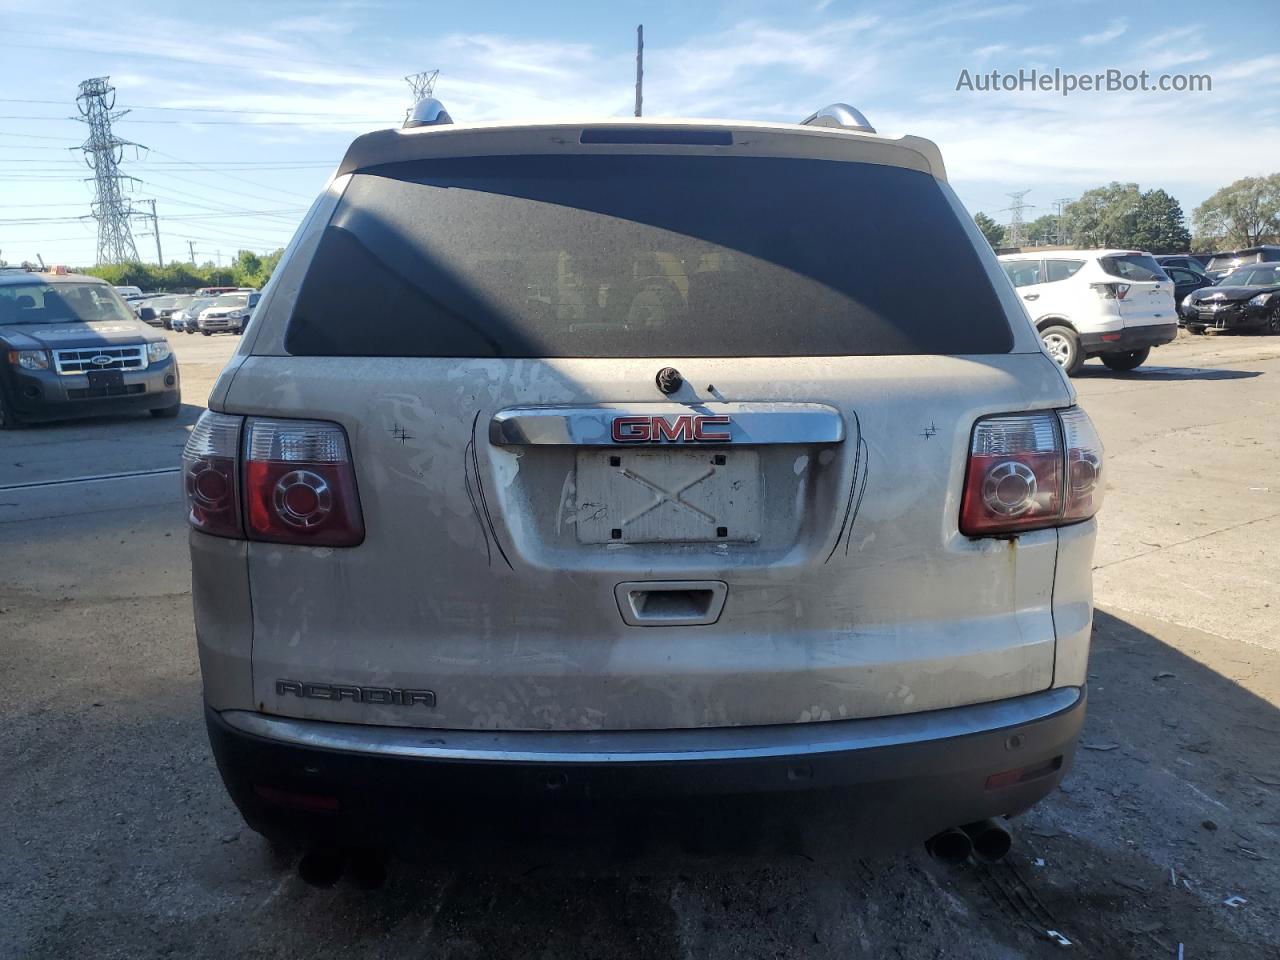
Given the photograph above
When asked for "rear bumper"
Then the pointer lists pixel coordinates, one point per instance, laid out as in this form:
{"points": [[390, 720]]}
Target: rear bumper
{"points": [[1130, 338], [903, 778]]}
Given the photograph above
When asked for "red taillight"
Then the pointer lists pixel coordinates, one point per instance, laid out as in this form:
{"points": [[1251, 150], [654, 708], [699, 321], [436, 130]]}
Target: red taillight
{"points": [[209, 475], [1110, 291], [1030, 471], [299, 484]]}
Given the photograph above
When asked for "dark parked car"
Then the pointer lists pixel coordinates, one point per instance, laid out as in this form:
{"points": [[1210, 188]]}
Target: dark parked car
{"points": [[70, 347], [1223, 263], [166, 307], [1191, 261], [1245, 299], [1185, 281]]}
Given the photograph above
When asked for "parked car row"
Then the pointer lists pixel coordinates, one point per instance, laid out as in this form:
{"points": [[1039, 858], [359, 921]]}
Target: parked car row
{"points": [[1119, 304], [225, 313], [229, 308]]}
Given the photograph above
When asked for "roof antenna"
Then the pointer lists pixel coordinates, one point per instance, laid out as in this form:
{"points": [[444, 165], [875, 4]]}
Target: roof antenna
{"points": [[426, 111], [839, 115]]}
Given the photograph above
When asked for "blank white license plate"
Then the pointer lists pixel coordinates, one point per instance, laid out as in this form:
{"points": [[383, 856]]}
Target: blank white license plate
{"points": [[686, 495]]}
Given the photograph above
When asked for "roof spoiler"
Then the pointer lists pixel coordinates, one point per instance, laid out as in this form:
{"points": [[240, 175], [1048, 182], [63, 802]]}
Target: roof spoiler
{"points": [[839, 115], [427, 112]]}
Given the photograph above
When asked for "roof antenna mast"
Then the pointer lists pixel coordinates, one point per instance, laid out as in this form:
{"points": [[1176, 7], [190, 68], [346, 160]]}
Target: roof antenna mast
{"points": [[639, 68]]}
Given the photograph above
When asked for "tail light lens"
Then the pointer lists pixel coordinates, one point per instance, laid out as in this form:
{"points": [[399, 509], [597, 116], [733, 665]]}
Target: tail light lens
{"points": [[1083, 465], [1110, 291], [209, 475], [1031, 471], [297, 486], [300, 486]]}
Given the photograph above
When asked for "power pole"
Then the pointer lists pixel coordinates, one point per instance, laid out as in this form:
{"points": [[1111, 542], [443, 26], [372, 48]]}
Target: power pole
{"points": [[639, 68], [423, 85], [155, 229], [1060, 205], [191, 246], [103, 152]]}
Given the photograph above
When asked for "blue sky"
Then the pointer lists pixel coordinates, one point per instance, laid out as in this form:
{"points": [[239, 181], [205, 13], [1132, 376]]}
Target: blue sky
{"points": [[225, 180]]}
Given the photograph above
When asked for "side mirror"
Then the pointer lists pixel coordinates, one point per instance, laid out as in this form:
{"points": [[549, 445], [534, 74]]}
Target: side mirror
{"points": [[146, 314]]}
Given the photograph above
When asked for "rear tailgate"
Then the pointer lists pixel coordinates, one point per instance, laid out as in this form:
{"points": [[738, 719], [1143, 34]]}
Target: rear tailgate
{"points": [[554, 543], [1149, 299]]}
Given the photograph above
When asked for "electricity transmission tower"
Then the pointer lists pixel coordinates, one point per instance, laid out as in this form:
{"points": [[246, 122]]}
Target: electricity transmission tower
{"points": [[1014, 237], [423, 85], [103, 152]]}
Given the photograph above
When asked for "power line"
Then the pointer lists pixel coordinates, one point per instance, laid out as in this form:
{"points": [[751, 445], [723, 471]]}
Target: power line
{"points": [[103, 152], [230, 176], [145, 106], [319, 122]]}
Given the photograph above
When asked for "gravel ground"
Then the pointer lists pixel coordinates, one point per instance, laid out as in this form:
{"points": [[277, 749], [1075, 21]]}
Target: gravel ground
{"points": [[121, 843]]}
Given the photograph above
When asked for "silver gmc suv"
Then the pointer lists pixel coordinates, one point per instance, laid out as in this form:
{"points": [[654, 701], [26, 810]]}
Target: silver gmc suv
{"points": [[614, 462]]}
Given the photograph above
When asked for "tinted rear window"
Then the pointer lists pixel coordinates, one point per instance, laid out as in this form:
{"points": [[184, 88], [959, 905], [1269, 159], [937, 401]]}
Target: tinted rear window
{"points": [[630, 256], [1133, 266]]}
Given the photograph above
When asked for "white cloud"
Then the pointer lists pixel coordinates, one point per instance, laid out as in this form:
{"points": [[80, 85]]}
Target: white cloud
{"points": [[1113, 30]]}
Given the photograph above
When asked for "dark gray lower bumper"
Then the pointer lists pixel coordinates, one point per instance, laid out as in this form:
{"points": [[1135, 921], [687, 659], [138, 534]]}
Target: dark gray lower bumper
{"points": [[1129, 338], [908, 776], [47, 395]]}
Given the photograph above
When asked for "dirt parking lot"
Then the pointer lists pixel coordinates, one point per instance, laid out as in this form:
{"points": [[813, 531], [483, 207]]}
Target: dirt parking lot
{"points": [[119, 841]]}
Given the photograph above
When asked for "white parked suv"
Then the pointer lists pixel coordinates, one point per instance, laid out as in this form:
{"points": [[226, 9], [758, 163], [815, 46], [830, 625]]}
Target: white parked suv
{"points": [[600, 463], [1113, 304]]}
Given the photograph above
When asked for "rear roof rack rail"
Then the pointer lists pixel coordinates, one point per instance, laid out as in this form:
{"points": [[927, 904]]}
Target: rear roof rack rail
{"points": [[839, 115]]}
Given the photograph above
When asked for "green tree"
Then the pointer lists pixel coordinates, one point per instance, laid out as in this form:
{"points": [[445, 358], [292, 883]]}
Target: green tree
{"points": [[1242, 214], [1160, 226], [990, 229], [247, 270], [1042, 230], [1104, 216]]}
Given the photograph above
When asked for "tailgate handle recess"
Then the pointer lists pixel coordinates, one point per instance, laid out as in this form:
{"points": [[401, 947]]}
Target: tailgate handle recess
{"points": [[670, 603]]}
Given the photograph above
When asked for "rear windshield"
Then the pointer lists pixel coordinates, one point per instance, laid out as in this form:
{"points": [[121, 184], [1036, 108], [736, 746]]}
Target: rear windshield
{"points": [[1259, 276], [1133, 266], [1230, 260], [644, 256]]}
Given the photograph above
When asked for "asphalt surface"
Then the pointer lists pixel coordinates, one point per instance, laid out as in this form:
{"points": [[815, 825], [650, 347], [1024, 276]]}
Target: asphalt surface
{"points": [[118, 840]]}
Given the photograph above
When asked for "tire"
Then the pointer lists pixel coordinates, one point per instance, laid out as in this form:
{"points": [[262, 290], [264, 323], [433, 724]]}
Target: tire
{"points": [[1272, 326], [1127, 359], [1195, 329], [207, 333], [167, 413], [1064, 347]]}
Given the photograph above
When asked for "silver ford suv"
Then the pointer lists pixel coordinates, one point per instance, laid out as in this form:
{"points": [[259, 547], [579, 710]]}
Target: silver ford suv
{"points": [[610, 462]]}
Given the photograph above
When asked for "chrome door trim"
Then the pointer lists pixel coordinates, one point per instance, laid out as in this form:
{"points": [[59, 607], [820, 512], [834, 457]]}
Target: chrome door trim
{"points": [[591, 425]]}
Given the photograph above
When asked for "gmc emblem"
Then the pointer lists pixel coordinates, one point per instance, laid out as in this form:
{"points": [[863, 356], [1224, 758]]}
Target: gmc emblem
{"points": [[683, 429]]}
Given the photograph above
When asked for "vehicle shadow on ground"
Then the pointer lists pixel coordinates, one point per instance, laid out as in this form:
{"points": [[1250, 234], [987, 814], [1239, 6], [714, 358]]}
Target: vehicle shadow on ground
{"points": [[187, 415], [1122, 861], [1101, 372]]}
